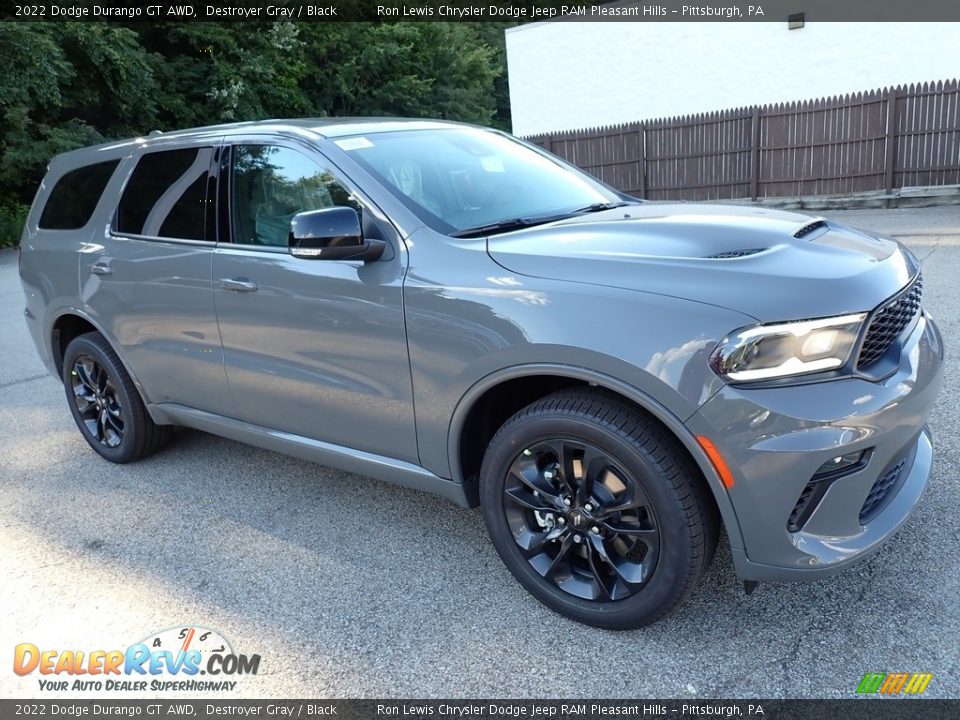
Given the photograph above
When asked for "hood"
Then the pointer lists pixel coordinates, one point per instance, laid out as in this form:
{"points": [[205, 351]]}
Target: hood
{"points": [[768, 264]]}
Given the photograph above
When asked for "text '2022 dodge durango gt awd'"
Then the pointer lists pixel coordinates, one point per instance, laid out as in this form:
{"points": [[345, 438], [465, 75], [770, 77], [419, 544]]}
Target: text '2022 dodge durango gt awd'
{"points": [[448, 308]]}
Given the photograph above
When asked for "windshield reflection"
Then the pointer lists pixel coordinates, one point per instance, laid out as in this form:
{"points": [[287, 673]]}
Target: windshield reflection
{"points": [[459, 180]]}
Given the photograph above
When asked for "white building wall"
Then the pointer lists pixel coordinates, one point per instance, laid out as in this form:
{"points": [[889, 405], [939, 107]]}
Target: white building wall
{"points": [[569, 75]]}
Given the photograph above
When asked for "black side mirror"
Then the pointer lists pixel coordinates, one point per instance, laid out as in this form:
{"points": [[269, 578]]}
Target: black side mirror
{"points": [[331, 234]]}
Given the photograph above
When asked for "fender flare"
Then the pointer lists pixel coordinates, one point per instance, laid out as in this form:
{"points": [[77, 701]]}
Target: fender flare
{"points": [[674, 424], [52, 336]]}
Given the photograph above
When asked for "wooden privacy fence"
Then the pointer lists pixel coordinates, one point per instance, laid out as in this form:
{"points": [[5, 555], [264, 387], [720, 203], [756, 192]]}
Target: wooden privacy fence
{"points": [[878, 141]]}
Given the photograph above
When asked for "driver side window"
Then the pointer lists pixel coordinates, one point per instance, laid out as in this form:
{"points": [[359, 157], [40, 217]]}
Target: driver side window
{"points": [[270, 185]]}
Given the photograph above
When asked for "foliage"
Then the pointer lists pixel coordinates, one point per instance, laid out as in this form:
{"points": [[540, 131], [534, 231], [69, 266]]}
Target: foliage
{"points": [[429, 69], [67, 85], [12, 218]]}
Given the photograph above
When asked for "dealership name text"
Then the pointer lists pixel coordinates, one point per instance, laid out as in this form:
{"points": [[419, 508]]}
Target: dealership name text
{"points": [[509, 710], [540, 13]]}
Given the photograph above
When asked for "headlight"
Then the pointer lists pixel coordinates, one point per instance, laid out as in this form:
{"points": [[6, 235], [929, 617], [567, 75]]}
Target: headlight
{"points": [[762, 352]]}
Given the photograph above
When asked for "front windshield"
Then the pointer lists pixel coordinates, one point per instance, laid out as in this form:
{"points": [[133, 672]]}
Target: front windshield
{"points": [[457, 179]]}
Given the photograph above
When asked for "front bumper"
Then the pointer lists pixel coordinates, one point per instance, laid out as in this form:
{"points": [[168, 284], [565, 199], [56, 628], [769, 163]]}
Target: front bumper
{"points": [[776, 439]]}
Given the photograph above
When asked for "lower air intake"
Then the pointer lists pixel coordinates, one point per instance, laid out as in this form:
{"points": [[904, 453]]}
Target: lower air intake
{"points": [[880, 491], [805, 506]]}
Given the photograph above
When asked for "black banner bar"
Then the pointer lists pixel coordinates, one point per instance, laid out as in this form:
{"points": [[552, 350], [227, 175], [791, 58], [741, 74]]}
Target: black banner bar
{"points": [[858, 709], [478, 11]]}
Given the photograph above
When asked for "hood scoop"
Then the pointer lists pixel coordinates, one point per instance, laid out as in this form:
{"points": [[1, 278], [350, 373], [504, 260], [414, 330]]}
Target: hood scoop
{"points": [[730, 254], [810, 227]]}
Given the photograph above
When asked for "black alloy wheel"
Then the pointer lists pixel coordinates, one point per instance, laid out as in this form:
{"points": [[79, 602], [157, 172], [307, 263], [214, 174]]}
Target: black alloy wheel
{"points": [[581, 520], [96, 400], [596, 509], [106, 404]]}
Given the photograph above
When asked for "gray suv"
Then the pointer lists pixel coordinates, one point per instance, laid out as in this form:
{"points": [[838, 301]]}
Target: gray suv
{"points": [[447, 308]]}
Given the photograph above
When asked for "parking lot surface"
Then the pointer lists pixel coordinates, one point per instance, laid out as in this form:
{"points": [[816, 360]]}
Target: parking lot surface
{"points": [[347, 587]]}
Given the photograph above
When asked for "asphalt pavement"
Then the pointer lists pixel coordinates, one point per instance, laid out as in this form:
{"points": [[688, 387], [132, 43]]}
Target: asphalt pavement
{"points": [[348, 587]]}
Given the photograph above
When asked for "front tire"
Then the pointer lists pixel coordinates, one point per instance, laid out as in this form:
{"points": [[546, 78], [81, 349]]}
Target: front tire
{"points": [[105, 403], [596, 510]]}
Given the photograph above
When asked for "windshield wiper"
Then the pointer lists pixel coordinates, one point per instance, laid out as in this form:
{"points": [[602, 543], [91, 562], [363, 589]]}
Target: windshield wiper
{"points": [[520, 223], [504, 226], [599, 207]]}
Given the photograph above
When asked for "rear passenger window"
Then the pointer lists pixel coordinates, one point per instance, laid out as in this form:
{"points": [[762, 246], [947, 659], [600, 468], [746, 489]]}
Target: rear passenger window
{"points": [[75, 196], [166, 195]]}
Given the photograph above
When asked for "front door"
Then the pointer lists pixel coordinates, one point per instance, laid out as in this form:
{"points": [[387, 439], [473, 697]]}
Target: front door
{"points": [[316, 348]]}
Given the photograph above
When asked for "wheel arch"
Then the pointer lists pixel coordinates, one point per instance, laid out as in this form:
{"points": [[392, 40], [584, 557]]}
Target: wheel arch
{"points": [[71, 323], [65, 327], [543, 379]]}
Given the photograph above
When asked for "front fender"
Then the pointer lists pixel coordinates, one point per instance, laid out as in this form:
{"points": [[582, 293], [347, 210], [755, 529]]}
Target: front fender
{"points": [[472, 323], [673, 423], [468, 318]]}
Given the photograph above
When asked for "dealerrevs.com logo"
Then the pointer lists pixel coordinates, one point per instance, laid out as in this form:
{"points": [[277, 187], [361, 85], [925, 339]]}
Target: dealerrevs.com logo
{"points": [[168, 660]]}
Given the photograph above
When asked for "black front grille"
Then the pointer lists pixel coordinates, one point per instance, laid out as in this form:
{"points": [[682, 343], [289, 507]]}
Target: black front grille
{"points": [[880, 491], [735, 253], [888, 321]]}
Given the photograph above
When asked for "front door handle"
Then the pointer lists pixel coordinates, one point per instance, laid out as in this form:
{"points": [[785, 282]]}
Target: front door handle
{"points": [[238, 285], [101, 269]]}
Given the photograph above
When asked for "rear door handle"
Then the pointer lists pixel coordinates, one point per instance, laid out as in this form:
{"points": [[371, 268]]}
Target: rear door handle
{"points": [[101, 269], [238, 285]]}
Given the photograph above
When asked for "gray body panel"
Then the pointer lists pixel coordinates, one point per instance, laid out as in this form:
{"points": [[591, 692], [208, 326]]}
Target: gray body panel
{"points": [[775, 439], [663, 248], [469, 318], [157, 306], [319, 349], [375, 367]]}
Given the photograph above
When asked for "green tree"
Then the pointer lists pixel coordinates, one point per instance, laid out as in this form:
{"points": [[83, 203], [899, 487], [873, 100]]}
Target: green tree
{"points": [[235, 71], [67, 85], [491, 34], [411, 69]]}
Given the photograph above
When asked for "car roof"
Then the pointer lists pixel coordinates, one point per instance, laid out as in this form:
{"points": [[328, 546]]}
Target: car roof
{"points": [[325, 127], [322, 127]]}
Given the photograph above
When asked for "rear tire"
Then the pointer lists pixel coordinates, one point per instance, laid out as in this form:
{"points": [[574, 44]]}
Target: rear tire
{"points": [[105, 403], [596, 510]]}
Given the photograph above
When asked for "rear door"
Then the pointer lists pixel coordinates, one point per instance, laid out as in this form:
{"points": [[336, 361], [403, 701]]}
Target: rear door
{"points": [[148, 282], [316, 348]]}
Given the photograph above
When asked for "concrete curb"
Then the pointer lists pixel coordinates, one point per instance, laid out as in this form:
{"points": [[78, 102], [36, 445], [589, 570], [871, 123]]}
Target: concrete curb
{"points": [[916, 197]]}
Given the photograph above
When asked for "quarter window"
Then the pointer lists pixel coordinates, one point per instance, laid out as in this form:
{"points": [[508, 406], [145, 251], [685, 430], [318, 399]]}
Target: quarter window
{"points": [[167, 195], [270, 185], [75, 196]]}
